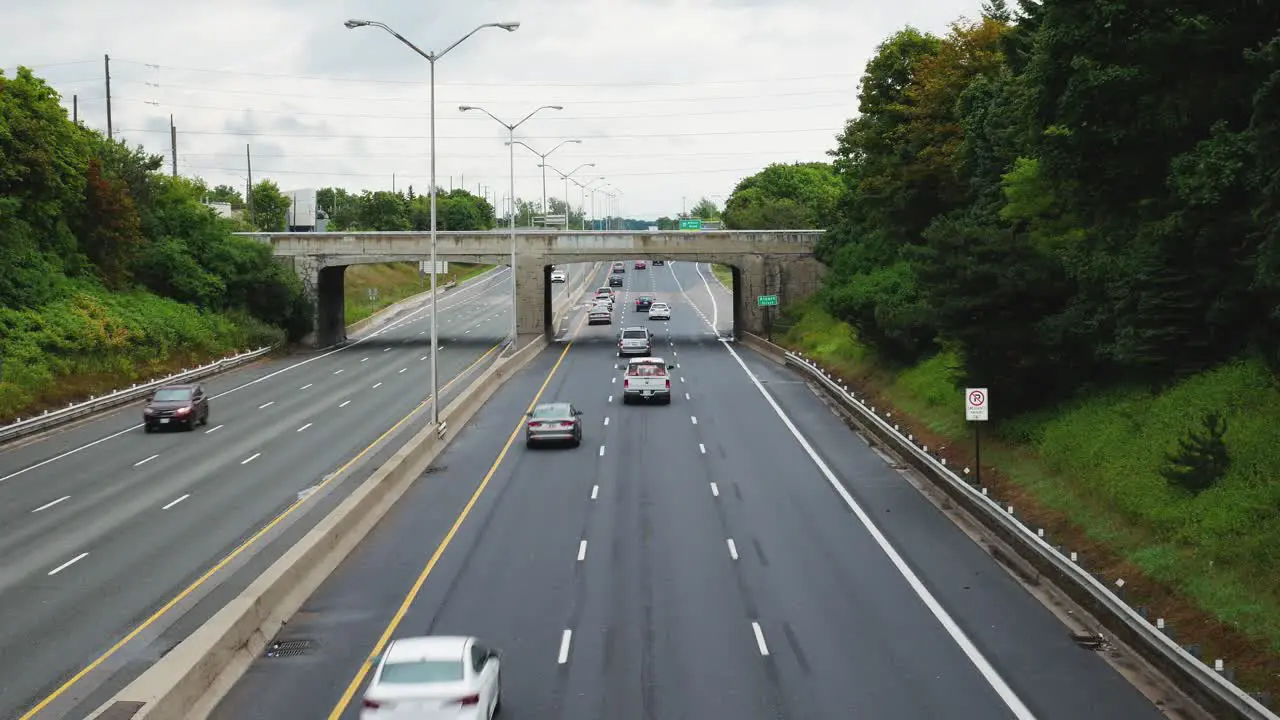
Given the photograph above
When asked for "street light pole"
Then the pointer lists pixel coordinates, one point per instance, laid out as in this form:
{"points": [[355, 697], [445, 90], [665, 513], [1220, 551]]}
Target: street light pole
{"points": [[566, 186], [432, 57], [511, 159], [543, 157]]}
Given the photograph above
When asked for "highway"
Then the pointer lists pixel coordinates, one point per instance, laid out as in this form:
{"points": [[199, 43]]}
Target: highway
{"points": [[739, 553], [104, 525]]}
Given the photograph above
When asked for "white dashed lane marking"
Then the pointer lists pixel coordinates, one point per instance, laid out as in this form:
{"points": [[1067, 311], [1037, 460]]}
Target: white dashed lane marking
{"points": [[175, 502], [48, 505]]}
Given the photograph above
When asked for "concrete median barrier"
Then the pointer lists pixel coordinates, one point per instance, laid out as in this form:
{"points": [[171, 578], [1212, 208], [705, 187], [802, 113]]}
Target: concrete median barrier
{"points": [[190, 680]]}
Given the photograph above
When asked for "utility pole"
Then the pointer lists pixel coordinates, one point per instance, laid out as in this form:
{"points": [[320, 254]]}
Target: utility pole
{"points": [[173, 144], [75, 109], [106, 64], [249, 191], [393, 182]]}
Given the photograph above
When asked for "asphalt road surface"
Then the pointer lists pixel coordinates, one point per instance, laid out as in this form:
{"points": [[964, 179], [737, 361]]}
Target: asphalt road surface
{"points": [[103, 524], [687, 561]]}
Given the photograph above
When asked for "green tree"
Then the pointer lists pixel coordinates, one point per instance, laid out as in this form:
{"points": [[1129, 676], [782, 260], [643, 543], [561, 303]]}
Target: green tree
{"points": [[784, 197], [705, 209], [1202, 457], [226, 194], [111, 232], [270, 206]]}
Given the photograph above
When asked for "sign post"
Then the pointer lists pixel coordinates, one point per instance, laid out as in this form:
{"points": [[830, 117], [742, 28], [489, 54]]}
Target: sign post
{"points": [[977, 410], [767, 302]]}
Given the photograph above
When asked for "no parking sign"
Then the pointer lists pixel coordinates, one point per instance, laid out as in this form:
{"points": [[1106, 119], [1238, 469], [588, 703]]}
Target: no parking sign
{"points": [[976, 404]]}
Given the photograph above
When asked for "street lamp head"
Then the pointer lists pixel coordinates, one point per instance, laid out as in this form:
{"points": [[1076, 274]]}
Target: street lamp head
{"points": [[352, 24], [509, 26], [465, 108], [556, 107], [579, 142]]}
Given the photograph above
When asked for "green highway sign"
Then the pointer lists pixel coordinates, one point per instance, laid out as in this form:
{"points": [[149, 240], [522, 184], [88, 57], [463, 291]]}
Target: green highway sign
{"points": [[766, 300], [695, 224]]}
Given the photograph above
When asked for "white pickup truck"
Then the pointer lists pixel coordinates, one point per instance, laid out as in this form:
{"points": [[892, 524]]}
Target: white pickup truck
{"points": [[647, 379]]}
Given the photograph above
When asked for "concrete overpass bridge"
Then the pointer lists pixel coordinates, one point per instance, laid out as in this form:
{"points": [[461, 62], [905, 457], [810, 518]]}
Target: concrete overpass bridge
{"points": [[764, 262]]}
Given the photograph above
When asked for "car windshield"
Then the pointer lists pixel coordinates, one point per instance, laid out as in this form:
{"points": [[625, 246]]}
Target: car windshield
{"points": [[635, 334], [645, 298], [659, 306], [553, 410], [172, 394], [422, 671], [647, 370]]}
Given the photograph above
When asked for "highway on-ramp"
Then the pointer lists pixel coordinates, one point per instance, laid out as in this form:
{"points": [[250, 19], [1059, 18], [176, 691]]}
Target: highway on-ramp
{"points": [[739, 553], [103, 525]]}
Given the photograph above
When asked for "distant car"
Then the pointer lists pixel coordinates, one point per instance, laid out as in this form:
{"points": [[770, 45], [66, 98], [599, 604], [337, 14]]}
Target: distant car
{"points": [[641, 265], [604, 294], [615, 281], [437, 676], [659, 311], [656, 263], [619, 267], [559, 276], [182, 406], [635, 341], [643, 302], [600, 314], [554, 422]]}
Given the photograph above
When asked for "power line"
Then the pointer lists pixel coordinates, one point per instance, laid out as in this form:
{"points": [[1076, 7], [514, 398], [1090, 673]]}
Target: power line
{"points": [[323, 173], [419, 101], [522, 83], [483, 137], [46, 66], [472, 156], [467, 118]]}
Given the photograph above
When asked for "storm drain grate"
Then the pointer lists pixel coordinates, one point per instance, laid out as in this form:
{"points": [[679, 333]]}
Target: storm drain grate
{"points": [[290, 648]]}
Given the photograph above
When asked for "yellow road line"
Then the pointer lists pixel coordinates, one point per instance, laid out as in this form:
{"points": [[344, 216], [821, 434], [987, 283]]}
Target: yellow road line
{"points": [[367, 665], [235, 553]]}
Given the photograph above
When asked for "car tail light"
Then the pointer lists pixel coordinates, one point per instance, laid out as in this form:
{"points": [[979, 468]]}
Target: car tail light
{"points": [[626, 383], [535, 424], [468, 700], [371, 704], [668, 383]]}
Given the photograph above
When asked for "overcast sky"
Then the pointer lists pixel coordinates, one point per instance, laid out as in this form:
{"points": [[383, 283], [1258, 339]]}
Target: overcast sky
{"points": [[672, 99]]}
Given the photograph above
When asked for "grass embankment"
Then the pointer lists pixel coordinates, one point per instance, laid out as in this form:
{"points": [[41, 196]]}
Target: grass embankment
{"points": [[1088, 473], [93, 341], [394, 282], [724, 274]]}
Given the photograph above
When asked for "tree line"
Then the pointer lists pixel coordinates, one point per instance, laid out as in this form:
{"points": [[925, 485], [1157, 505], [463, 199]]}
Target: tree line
{"points": [[1067, 194]]}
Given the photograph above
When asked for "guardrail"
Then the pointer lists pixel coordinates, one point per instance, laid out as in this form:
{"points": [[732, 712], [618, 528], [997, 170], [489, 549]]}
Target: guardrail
{"points": [[23, 427], [1207, 685]]}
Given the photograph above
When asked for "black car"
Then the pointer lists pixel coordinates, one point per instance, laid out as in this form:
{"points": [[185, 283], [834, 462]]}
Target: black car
{"points": [[656, 263], [643, 302], [183, 406], [615, 281]]}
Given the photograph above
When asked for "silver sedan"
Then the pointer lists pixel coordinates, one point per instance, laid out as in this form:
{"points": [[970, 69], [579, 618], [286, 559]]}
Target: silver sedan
{"points": [[554, 422]]}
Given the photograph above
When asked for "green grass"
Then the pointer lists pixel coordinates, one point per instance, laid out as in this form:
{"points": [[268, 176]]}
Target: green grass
{"points": [[91, 342], [724, 274], [394, 282], [1095, 462]]}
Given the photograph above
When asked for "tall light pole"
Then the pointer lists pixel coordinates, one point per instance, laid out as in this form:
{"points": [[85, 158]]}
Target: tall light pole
{"points": [[543, 157], [566, 186], [511, 155], [431, 58], [583, 195]]}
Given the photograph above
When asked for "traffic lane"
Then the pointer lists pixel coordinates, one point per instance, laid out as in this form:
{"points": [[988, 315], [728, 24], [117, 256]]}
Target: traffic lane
{"points": [[696, 288], [242, 384], [1025, 641], [269, 408], [142, 554], [664, 628], [351, 609]]}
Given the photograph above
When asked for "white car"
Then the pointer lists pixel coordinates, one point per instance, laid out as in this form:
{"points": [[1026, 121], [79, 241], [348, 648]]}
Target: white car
{"points": [[433, 678], [659, 311], [559, 276]]}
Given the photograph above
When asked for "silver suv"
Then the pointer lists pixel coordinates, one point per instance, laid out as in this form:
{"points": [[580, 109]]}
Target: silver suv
{"points": [[635, 341]]}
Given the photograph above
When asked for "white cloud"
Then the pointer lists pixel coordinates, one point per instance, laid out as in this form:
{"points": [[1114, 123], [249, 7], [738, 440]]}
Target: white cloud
{"points": [[672, 98]]}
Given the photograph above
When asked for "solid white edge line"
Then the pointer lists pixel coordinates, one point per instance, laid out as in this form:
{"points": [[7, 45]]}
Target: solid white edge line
{"points": [[764, 649], [565, 639], [733, 549], [175, 502], [68, 563], [984, 667], [48, 505], [582, 551]]}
